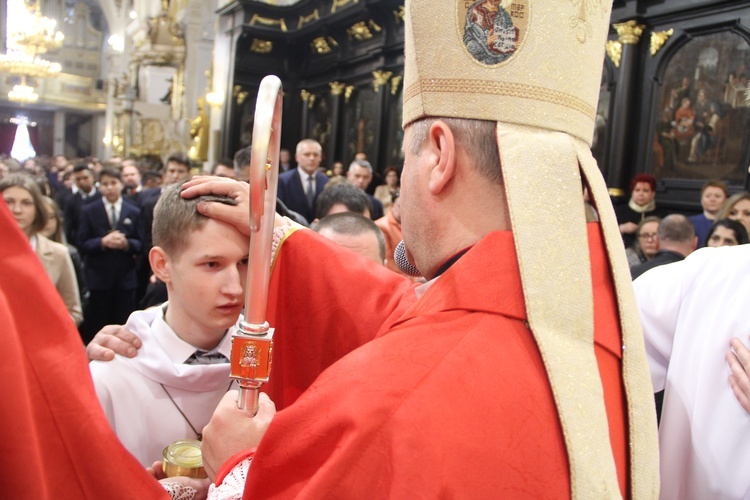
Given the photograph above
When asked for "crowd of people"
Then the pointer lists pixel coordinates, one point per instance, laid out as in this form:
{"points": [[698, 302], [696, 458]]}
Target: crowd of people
{"points": [[90, 221], [511, 368], [93, 226], [653, 236]]}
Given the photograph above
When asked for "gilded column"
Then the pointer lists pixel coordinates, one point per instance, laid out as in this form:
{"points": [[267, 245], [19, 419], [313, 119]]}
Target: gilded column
{"points": [[337, 91], [621, 158]]}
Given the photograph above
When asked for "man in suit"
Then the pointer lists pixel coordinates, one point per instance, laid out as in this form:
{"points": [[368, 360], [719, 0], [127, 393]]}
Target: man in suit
{"points": [[177, 169], [109, 237], [285, 160], [360, 174], [131, 181], [677, 240], [299, 188], [86, 192]]}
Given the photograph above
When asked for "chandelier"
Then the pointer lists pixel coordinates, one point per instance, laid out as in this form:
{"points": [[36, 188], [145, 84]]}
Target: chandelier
{"points": [[34, 35]]}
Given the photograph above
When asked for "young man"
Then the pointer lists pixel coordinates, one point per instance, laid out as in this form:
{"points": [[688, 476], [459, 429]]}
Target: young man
{"points": [[170, 391], [85, 192], [109, 238]]}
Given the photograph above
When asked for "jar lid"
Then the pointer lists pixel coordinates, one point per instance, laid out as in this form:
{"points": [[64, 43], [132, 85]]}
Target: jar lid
{"points": [[185, 453]]}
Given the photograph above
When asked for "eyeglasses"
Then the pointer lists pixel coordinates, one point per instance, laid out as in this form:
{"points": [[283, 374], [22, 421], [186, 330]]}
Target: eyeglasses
{"points": [[647, 236]]}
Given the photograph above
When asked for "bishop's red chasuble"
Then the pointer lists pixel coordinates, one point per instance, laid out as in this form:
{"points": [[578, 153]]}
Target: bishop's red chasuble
{"points": [[445, 396]]}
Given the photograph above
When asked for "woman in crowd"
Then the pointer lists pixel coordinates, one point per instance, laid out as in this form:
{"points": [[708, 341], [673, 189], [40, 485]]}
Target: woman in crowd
{"points": [[726, 232], [385, 192], [737, 207], [53, 231], [26, 204], [641, 205], [713, 195], [646, 244]]}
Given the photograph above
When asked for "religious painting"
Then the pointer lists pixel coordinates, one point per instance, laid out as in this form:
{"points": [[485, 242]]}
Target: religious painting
{"points": [[492, 30], [700, 130]]}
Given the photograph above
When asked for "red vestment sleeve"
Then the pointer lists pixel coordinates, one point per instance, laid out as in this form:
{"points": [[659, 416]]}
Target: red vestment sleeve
{"points": [[55, 441], [324, 301]]}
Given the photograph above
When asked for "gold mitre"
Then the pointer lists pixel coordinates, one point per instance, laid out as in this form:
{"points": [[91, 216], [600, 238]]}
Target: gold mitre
{"points": [[534, 63], [534, 67]]}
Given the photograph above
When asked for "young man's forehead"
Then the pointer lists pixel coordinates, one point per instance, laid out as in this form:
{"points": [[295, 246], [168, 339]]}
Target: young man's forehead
{"points": [[173, 165]]}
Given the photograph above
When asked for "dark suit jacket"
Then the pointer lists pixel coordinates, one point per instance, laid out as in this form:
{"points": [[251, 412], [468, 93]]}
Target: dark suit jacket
{"points": [[109, 269], [377, 208], [662, 257], [72, 213], [293, 195]]}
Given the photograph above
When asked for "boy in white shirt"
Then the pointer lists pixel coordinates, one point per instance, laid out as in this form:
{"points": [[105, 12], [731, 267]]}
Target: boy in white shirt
{"points": [[169, 391]]}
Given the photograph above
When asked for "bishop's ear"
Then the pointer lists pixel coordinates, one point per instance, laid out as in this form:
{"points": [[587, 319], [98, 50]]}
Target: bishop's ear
{"points": [[159, 261], [442, 143]]}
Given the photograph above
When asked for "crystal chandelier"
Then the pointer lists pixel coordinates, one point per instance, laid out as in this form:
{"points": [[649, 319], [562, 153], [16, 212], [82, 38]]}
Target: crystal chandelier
{"points": [[23, 93], [34, 35]]}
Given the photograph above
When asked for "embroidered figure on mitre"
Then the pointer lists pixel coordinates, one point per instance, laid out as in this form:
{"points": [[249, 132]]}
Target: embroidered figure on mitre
{"points": [[490, 35]]}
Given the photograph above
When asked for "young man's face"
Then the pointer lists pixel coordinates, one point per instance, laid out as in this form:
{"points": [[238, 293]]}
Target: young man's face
{"points": [[84, 180], [224, 171], [175, 172], [110, 188], [207, 280]]}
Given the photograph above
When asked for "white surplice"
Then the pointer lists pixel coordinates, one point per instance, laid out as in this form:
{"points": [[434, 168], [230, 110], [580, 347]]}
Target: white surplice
{"points": [[136, 405], [690, 310]]}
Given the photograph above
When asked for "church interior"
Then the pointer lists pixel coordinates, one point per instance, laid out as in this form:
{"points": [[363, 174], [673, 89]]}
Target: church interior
{"points": [[130, 78]]}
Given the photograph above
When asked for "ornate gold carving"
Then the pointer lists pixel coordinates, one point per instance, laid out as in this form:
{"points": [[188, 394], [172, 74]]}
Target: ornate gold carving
{"points": [[261, 46], [320, 46], [374, 26], [348, 92], [629, 32], [360, 31], [380, 78], [658, 39], [614, 51], [616, 192], [341, 3], [307, 97], [239, 94], [395, 82], [399, 14], [266, 21], [303, 20], [199, 133], [337, 88]]}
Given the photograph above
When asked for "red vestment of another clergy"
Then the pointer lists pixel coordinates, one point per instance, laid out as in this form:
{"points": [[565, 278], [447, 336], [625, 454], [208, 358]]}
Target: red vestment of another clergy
{"points": [[449, 399], [55, 441]]}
